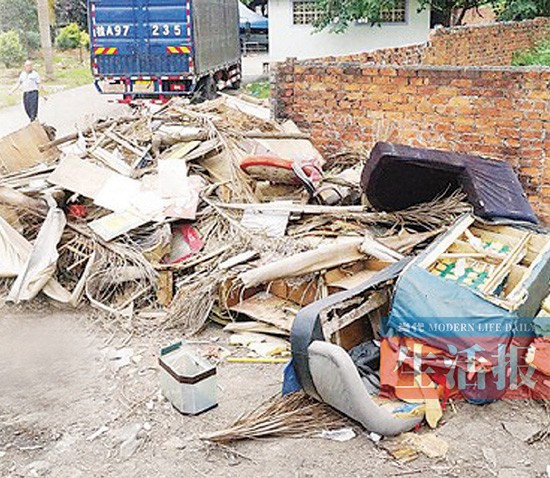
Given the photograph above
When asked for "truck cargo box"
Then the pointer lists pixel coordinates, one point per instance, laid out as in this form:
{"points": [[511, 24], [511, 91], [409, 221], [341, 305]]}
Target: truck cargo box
{"points": [[160, 48]]}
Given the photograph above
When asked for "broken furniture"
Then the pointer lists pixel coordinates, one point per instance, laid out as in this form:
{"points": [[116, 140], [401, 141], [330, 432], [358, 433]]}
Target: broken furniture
{"points": [[326, 371], [397, 176], [470, 295], [337, 381]]}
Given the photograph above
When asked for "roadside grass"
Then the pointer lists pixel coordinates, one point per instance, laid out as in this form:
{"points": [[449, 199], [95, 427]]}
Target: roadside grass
{"points": [[540, 55], [71, 69], [258, 89]]}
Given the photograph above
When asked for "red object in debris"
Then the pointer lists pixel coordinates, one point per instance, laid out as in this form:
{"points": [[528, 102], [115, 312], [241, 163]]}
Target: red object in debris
{"points": [[277, 170], [78, 210], [185, 242]]}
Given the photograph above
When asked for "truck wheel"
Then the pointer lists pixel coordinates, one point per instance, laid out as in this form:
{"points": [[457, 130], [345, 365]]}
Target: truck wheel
{"points": [[208, 88]]}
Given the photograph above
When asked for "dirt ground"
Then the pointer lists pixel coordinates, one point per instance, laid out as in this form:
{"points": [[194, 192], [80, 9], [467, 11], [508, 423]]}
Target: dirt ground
{"points": [[60, 384]]}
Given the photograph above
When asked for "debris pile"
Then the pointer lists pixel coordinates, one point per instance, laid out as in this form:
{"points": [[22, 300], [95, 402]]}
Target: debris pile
{"points": [[395, 297], [186, 212]]}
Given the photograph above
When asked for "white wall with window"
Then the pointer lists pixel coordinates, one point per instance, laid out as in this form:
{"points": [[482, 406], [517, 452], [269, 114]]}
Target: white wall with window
{"points": [[292, 35]]}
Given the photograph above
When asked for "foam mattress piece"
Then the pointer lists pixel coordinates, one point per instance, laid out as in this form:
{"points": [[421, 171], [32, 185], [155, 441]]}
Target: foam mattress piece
{"points": [[398, 176]]}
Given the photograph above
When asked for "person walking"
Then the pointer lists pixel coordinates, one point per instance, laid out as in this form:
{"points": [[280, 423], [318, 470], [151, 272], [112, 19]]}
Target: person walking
{"points": [[30, 82]]}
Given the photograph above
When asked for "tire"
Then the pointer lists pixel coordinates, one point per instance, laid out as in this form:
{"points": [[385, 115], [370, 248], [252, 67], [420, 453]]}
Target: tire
{"points": [[235, 86], [208, 90]]}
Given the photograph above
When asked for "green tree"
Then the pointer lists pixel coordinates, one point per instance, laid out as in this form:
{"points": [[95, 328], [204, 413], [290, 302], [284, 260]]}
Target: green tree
{"points": [[19, 15], [12, 52], [522, 9], [338, 15], [71, 11]]}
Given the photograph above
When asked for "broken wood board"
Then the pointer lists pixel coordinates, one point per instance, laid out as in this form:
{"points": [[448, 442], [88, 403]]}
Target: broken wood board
{"points": [[353, 275], [352, 322], [269, 309], [20, 149], [80, 176], [230, 293], [113, 225], [300, 291], [181, 150]]}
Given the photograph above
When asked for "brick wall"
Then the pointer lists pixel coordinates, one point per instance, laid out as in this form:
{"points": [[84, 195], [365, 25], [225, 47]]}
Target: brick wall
{"points": [[482, 45], [490, 44], [498, 112], [407, 55]]}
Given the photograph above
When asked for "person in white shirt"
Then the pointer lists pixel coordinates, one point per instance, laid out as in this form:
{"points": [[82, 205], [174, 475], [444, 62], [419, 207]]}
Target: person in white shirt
{"points": [[29, 81]]}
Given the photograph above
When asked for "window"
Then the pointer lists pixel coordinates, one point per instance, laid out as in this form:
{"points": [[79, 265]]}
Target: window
{"points": [[304, 12], [395, 14]]}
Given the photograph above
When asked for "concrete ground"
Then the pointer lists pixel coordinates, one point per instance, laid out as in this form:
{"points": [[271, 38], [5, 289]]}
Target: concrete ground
{"points": [[84, 105], [70, 409]]}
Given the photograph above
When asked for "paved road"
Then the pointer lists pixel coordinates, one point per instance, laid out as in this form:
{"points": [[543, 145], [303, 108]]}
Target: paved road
{"points": [[83, 105], [63, 110]]}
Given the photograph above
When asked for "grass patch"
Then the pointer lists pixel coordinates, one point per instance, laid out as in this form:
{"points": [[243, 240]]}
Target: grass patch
{"points": [[71, 69], [540, 55], [259, 89]]}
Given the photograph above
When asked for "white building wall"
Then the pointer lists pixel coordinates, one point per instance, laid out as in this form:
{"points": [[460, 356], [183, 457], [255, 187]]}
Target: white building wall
{"points": [[301, 41]]}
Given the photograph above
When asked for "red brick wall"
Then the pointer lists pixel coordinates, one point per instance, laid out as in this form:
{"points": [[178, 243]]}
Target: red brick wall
{"points": [[407, 55], [490, 44], [499, 112], [482, 45]]}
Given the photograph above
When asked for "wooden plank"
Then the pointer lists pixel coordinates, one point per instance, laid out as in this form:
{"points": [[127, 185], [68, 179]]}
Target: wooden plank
{"points": [[125, 143], [96, 127], [516, 293], [434, 251], [269, 309], [20, 149], [504, 268]]}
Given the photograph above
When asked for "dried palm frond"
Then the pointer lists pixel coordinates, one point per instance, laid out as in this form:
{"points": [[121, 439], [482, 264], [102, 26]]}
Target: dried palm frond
{"points": [[295, 415], [435, 214], [343, 159], [120, 279]]}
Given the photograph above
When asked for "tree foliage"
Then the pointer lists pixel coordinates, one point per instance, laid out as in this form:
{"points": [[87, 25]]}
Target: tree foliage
{"points": [[540, 55], [522, 9], [18, 15], [12, 52], [71, 11], [338, 15]]}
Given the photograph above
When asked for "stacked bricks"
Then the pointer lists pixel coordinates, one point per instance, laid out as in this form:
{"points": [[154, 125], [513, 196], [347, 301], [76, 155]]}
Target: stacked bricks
{"points": [[484, 45]]}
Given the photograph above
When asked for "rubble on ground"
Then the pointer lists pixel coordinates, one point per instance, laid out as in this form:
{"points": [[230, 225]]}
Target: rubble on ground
{"points": [[180, 214]]}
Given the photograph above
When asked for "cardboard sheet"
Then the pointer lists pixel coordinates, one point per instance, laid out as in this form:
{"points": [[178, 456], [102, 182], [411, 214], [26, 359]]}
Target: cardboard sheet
{"points": [[20, 149], [113, 225], [80, 176]]}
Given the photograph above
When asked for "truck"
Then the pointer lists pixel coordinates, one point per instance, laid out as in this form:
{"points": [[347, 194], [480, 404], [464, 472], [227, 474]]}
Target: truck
{"points": [[157, 49]]}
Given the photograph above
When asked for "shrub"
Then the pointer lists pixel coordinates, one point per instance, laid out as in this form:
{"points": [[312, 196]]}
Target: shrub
{"points": [[12, 52], [68, 37], [84, 40], [515, 10], [540, 55], [31, 40]]}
